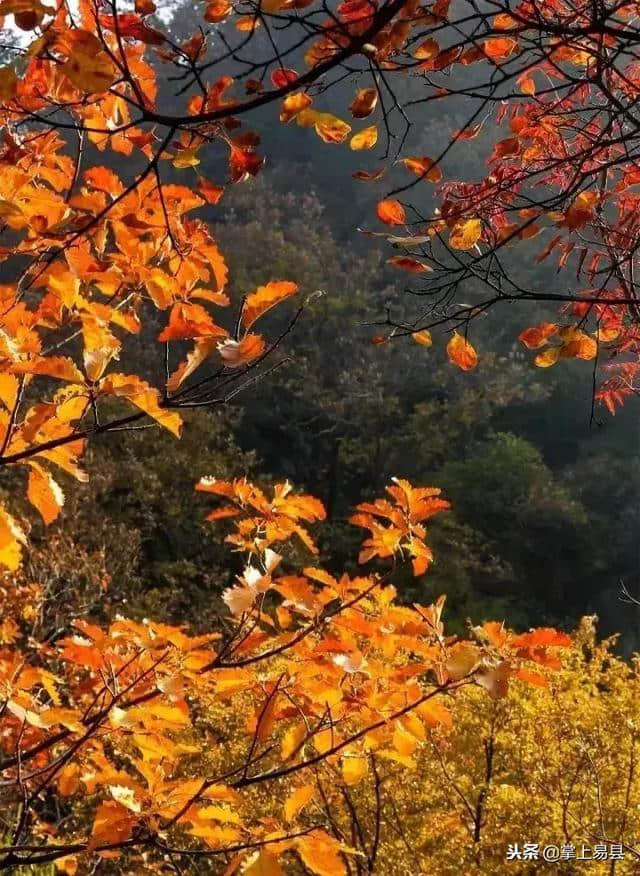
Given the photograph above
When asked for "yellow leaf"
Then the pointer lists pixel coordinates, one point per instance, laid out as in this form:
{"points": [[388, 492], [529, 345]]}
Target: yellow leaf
{"points": [[294, 104], [414, 725], [262, 863], [462, 659], [292, 740], [297, 800], [365, 139], [354, 769], [435, 714], [186, 158], [321, 854], [403, 741], [219, 813], [461, 353], [548, 358], [465, 234], [203, 348], [44, 493], [11, 539], [327, 126], [423, 338]]}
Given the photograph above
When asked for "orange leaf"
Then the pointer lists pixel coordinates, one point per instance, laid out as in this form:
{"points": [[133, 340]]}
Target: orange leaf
{"points": [[499, 48], [44, 493], [113, 823], [535, 678], [364, 103], [235, 354], [548, 358], [188, 320], [427, 50], [391, 212], [543, 636], [423, 338], [60, 367], [423, 167], [143, 396], [365, 139], [461, 353], [11, 540], [264, 298], [406, 263], [537, 336], [210, 192], [297, 800]]}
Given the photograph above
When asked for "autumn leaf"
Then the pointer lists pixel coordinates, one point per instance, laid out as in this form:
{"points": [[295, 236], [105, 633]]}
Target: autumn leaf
{"points": [[113, 823], [364, 103], [88, 66], [143, 396], [537, 336], [354, 769], [543, 636], [499, 48], [465, 234], [365, 139], [262, 863], [236, 354], [328, 127], [413, 266], [296, 801], [12, 539], [427, 50], [292, 740], [321, 854], [462, 660], [368, 176], [423, 338], [293, 104], [8, 83], [423, 167], [548, 358], [60, 367], [68, 781], [461, 353], [283, 77], [44, 493], [264, 298], [391, 212], [186, 158], [188, 320]]}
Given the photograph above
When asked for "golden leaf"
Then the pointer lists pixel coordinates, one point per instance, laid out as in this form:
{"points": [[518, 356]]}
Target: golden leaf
{"points": [[461, 353]]}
